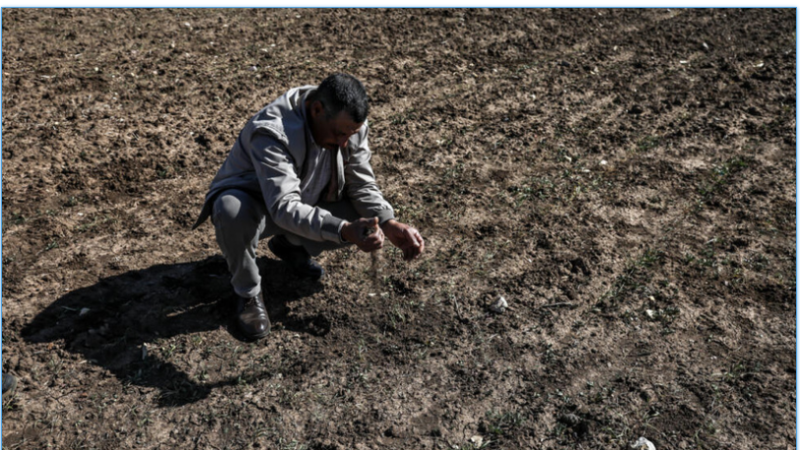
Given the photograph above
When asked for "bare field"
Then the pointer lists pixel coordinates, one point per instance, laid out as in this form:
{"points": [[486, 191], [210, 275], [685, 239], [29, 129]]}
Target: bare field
{"points": [[624, 178]]}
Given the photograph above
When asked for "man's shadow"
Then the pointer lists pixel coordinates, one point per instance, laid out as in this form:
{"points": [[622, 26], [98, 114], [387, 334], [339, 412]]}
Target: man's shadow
{"points": [[109, 323]]}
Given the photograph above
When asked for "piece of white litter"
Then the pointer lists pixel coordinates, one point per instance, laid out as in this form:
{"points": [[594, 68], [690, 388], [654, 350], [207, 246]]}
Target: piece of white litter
{"points": [[642, 442], [477, 441], [603, 162], [760, 65], [705, 46], [650, 313], [500, 305], [371, 294], [84, 311], [684, 62]]}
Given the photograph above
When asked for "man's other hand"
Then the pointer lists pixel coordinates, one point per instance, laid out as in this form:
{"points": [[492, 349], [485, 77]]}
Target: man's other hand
{"points": [[364, 233], [405, 238]]}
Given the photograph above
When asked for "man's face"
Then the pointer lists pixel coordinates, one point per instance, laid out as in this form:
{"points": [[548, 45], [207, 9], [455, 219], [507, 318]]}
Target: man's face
{"points": [[333, 132]]}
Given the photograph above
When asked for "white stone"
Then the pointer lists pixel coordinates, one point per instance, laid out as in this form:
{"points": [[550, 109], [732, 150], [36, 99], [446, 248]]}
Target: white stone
{"points": [[500, 305], [642, 442]]}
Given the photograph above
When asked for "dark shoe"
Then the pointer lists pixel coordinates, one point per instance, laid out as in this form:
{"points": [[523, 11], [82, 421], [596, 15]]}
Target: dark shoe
{"points": [[297, 257], [9, 383], [252, 316]]}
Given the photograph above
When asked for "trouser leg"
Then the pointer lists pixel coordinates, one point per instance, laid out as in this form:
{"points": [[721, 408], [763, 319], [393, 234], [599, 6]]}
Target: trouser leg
{"points": [[239, 221]]}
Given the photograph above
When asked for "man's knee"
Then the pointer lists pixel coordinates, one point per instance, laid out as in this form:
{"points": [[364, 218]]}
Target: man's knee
{"points": [[235, 209]]}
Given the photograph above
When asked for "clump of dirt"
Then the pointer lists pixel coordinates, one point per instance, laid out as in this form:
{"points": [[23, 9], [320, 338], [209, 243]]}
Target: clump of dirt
{"points": [[624, 178]]}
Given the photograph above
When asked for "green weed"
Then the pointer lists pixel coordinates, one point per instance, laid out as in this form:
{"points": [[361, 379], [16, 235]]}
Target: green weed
{"points": [[500, 423], [648, 143]]}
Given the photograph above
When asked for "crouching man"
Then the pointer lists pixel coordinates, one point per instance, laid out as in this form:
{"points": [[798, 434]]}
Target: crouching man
{"points": [[299, 172]]}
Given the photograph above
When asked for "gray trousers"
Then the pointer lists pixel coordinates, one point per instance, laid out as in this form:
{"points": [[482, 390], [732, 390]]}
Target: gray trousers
{"points": [[241, 220]]}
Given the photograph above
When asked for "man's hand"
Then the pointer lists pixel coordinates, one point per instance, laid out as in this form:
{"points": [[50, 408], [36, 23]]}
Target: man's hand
{"points": [[364, 233], [405, 238]]}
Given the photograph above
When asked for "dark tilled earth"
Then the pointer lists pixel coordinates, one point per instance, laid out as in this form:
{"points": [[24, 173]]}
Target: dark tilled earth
{"points": [[625, 179]]}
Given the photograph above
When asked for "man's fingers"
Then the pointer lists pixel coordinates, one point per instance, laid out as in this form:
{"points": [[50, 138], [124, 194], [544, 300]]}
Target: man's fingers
{"points": [[374, 241], [410, 232], [420, 241]]}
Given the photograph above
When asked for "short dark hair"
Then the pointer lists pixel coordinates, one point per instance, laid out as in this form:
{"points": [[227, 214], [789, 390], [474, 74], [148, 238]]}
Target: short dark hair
{"points": [[342, 92]]}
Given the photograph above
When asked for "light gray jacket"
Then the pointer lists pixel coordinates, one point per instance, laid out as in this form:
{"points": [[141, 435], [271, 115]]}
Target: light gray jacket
{"points": [[274, 171]]}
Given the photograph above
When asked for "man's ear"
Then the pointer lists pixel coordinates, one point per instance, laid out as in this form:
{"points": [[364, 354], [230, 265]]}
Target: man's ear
{"points": [[317, 109]]}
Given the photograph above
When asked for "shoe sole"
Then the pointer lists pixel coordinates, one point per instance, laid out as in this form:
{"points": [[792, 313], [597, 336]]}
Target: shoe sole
{"points": [[260, 336], [10, 390]]}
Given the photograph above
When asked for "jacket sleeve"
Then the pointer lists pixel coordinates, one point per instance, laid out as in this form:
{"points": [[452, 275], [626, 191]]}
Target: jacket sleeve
{"points": [[360, 182], [280, 186]]}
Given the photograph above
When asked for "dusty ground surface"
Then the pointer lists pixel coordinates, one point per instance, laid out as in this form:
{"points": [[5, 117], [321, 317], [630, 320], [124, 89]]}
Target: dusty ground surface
{"points": [[624, 178]]}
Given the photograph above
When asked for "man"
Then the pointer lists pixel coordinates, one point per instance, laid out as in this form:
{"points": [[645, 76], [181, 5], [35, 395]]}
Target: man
{"points": [[299, 171]]}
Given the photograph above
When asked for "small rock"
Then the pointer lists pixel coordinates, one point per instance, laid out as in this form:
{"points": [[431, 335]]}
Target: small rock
{"points": [[500, 305], [644, 443], [647, 394], [577, 424], [477, 441], [569, 420], [253, 68], [84, 311]]}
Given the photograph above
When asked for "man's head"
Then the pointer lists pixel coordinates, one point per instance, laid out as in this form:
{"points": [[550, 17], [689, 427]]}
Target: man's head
{"points": [[336, 110]]}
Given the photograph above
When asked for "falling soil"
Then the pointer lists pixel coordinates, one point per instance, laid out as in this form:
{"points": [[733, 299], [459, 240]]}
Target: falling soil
{"points": [[625, 179]]}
